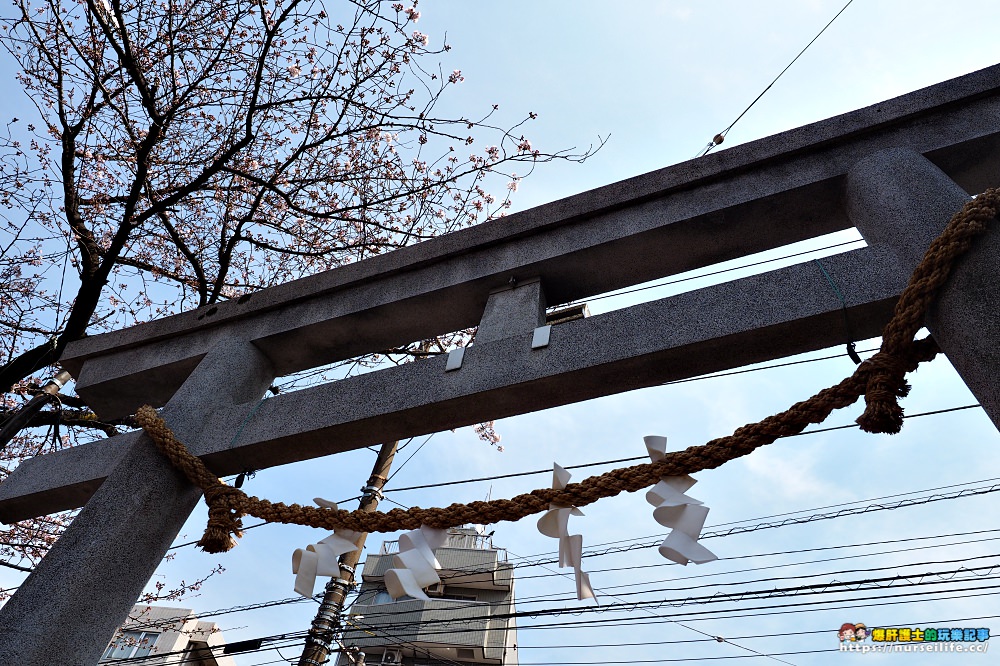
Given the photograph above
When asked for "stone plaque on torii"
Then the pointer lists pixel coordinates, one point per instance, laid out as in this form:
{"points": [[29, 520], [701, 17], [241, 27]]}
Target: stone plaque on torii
{"points": [[897, 171]]}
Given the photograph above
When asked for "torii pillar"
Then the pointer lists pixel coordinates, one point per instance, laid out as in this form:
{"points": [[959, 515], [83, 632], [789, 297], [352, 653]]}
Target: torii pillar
{"points": [[900, 200], [127, 526]]}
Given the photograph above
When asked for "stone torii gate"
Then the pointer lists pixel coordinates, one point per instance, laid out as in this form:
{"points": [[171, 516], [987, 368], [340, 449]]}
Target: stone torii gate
{"points": [[896, 170]]}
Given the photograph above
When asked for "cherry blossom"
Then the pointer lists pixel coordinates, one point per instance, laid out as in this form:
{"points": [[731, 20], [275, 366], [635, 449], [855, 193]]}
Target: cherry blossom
{"points": [[177, 163]]}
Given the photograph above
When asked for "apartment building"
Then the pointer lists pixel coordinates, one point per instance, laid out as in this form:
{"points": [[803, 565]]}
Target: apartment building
{"points": [[164, 635], [461, 624]]}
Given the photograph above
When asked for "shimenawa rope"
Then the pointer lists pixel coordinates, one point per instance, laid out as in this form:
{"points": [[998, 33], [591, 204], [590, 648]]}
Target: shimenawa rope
{"points": [[881, 379]]}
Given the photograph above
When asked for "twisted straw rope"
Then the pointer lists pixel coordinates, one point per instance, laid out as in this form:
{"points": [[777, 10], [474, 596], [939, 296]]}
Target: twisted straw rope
{"points": [[881, 379]]}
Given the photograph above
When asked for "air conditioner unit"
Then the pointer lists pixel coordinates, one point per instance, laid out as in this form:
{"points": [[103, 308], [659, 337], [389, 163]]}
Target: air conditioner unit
{"points": [[392, 658], [436, 590]]}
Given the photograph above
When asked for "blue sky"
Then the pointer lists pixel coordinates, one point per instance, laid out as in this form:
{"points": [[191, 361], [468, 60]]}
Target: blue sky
{"points": [[660, 79]]}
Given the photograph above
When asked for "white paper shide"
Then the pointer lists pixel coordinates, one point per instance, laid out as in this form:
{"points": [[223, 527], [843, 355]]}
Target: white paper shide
{"points": [[415, 566], [555, 524], [321, 559], [684, 515]]}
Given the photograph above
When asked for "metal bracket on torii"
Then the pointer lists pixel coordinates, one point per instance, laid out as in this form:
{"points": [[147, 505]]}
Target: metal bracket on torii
{"points": [[897, 170]]}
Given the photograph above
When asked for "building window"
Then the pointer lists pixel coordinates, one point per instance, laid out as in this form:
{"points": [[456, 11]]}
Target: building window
{"points": [[131, 644], [382, 597]]}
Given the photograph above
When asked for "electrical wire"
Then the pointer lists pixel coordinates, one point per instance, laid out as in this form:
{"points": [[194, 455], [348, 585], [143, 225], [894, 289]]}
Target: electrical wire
{"points": [[662, 660], [665, 283], [923, 623], [855, 425], [699, 631], [791, 513], [296, 600], [184, 656], [746, 637], [776, 609], [880, 584], [714, 615], [397, 640], [515, 474], [833, 587], [729, 373], [722, 135], [548, 597], [443, 484], [795, 521], [784, 564], [163, 622], [400, 468], [967, 492]]}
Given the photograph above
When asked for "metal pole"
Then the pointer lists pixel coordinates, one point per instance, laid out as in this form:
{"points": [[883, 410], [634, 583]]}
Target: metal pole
{"points": [[327, 621]]}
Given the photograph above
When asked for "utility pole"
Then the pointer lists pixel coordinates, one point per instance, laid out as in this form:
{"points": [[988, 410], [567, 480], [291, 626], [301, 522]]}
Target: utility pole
{"points": [[327, 621]]}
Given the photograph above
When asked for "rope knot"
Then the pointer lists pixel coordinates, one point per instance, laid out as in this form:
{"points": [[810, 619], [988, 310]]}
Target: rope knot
{"points": [[886, 384], [225, 523]]}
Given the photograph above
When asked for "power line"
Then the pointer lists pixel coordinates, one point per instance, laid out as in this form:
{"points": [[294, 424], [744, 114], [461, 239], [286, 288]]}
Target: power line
{"points": [[829, 506], [873, 499], [759, 581], [765, 580], [545, 597], [853, 511], [400, 468], [634, 290], [722, 135], [832, 587], [772, 366], [163, 622], [801, 591], [905, 416], [783, 634], [818, 588], [458, 482], [776, 609], [968, 492], [674, 660], [396, 640], [698, 631], [791, 513], [715, 640], [184, 656], [772, 566], [296, 600], [516, 474]]}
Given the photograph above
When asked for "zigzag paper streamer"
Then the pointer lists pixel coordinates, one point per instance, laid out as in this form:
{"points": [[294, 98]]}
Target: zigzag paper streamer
{"points": [[416, 566], [323, 558], [685, 515], [555, 523]]}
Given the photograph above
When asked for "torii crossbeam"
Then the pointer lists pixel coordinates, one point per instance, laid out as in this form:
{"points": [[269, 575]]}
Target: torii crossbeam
{"points": [[896, 170]]}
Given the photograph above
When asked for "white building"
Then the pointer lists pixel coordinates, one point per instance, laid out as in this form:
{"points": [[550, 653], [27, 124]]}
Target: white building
{"points": [[167, 635], [459, 625]]}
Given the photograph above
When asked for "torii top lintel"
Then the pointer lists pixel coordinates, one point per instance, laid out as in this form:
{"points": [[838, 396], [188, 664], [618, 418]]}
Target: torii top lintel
{"points": [[753, 197]]}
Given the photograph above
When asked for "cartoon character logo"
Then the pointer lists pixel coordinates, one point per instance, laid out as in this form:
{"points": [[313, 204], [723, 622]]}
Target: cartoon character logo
{"points": [[847, 632], [860, 631]]}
